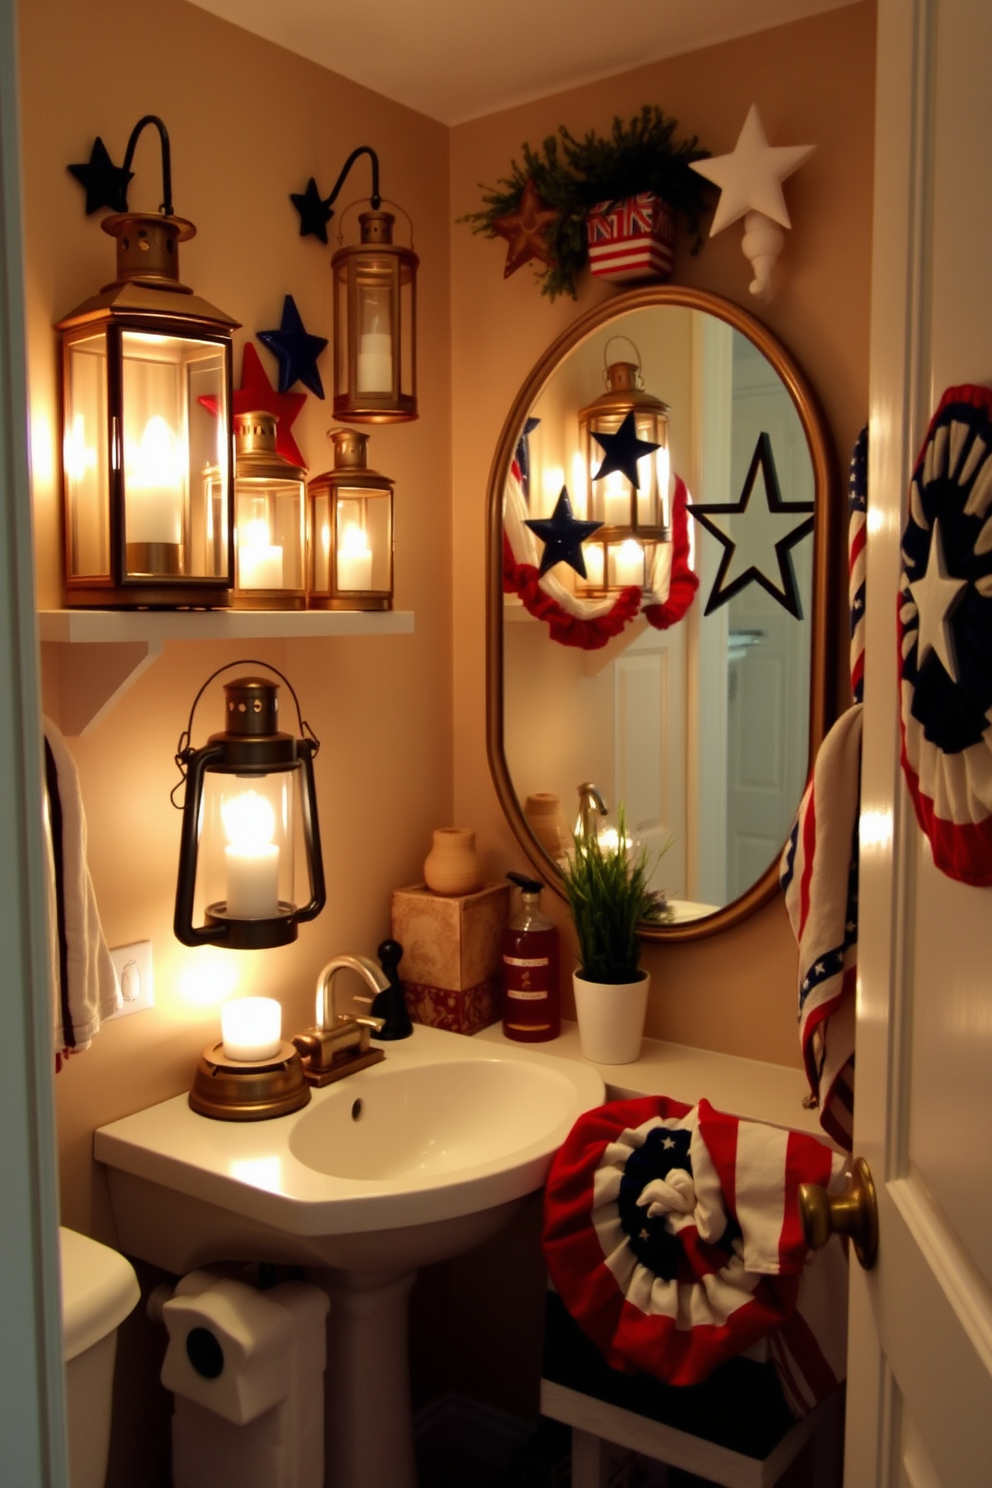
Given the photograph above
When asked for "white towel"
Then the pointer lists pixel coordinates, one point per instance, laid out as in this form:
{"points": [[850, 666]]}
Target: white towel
{"points": [[84, 988]]}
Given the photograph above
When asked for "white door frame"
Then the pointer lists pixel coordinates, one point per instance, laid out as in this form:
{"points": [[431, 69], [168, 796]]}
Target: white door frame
{"points": [[32, 1434]]}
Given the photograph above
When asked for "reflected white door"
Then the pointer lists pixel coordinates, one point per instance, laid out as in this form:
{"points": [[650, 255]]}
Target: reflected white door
{"points": [[920, 1386]]}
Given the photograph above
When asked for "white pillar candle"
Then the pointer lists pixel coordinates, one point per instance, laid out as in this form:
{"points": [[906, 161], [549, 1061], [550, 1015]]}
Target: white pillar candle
{"points": [[252, 858], [628, 564], [153, 487], [354, 560], [616, 500], [375, 362], [251, 1028], [593, 554], [260, 561]]}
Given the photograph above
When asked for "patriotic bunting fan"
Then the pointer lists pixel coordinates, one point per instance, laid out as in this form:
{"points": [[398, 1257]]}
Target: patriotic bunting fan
{"points": [[945, 636], [672, 1235]]}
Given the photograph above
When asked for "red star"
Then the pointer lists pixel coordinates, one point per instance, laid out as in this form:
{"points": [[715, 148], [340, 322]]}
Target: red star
{"points": [[257, 395], [526, 230]]}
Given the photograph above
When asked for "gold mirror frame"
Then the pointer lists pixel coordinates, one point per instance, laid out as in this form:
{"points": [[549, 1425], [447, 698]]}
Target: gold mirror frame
{"points": [[824, 603]]}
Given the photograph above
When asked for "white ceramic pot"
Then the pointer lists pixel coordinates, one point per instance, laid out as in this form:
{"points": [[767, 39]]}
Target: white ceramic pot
{"points": [[611, 1018]]}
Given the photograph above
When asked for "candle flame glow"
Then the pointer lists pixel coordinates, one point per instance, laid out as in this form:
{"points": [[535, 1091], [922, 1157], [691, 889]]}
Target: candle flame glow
{"points": [[249, 821], [155, 462]]}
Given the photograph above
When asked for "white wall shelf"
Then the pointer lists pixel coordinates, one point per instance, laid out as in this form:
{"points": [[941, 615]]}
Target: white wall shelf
{"points": [[92, 657]]}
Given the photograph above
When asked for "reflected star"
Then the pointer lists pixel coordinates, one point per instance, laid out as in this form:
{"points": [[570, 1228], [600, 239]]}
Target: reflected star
{"points": [[622, 450], [727, 583], [563, 536]]}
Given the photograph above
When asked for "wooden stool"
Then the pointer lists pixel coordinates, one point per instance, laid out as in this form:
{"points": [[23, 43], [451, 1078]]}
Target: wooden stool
{"points": [[735, 1429]]}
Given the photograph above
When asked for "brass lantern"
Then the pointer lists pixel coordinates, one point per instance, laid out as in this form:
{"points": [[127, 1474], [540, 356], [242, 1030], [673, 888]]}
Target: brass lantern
{"points": [[269, 520], [375, 325], [351, 531], [249, 812], [635, 516], [143, 363]]}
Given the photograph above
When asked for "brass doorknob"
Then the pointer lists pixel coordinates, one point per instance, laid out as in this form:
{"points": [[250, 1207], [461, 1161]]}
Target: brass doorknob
{"points": [[854, 1213]]}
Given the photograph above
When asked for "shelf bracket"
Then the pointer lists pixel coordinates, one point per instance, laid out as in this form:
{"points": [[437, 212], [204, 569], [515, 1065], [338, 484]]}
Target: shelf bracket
{"points": [[83, 681]]}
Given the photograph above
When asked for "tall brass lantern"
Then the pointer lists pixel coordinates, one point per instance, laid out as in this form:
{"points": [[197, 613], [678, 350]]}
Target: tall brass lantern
{"points": [[147, 468], [635, 518], [375, 325]]}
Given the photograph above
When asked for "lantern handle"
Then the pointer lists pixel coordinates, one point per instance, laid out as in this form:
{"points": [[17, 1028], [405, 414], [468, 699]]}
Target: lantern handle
{"points": [[637, 353], [184, 747], [357, 203], [166, 206]]}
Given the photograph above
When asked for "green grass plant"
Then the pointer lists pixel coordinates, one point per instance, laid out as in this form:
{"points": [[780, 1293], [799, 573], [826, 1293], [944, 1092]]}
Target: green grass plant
{"points": [[608, 892]]}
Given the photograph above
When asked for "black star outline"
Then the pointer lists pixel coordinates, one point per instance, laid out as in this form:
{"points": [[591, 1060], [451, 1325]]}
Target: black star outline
{"points": [[295, 350], [622, 450], [563, 536], [788, 594], [315, 213], [104, 182]]}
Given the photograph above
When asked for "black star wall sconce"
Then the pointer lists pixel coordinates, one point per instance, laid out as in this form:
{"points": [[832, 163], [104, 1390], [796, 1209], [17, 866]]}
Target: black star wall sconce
{"points": [[781, 585]]}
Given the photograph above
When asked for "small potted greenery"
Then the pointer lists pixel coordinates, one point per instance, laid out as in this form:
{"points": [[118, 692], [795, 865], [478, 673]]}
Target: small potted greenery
{"points": [[607, 883], [572, 175]]}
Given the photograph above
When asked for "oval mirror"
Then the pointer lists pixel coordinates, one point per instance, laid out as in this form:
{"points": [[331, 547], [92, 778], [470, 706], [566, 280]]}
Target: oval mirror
{"points": [[702, 723]]}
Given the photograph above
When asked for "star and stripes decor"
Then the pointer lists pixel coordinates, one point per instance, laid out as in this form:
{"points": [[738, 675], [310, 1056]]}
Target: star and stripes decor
{"points": [[631, 239], [945, 636], [857, 542], [672, 1235]]}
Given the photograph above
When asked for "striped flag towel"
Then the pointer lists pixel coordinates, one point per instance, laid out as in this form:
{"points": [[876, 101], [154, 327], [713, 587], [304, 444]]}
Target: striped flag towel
{"points": [[672, 1235]]}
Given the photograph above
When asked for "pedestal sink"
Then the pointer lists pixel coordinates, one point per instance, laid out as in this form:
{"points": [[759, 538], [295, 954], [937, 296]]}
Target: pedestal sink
{"points": [[414, 1160]]}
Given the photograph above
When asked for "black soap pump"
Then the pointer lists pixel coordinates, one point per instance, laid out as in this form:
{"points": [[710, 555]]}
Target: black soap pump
{"points": [[531, 990], [391, 1004]]}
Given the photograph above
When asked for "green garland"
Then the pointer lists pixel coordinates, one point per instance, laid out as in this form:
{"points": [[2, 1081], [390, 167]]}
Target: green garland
{"points": [[572, 175]]}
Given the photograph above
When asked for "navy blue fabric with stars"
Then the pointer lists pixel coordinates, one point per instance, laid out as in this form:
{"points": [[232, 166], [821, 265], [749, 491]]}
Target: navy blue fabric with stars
{"points": [[664, 1150]]}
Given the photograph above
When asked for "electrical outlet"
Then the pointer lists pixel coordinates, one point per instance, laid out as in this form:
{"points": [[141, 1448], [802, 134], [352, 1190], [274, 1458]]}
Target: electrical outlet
{"points": [[133, 970]]}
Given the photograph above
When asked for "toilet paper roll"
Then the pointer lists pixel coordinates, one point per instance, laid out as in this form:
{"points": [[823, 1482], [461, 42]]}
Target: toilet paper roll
{"points": [[229, 1347]]}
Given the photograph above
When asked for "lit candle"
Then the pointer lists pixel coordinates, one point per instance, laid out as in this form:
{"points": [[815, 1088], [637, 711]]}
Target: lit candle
{"points": [[259, 561], [354, 560], [616, 500], [79, 457], [593, 554], [252, 858], [251, 1028], [153, 487], [375, 360], [628, 564]]}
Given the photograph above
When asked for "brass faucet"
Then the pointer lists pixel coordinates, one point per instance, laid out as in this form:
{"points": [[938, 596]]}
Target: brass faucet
{"points": [[591, 806], [338, 1044]]}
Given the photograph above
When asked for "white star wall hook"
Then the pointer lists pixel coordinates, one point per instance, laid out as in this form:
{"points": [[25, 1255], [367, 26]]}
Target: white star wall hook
{"points": [[750, 181]]}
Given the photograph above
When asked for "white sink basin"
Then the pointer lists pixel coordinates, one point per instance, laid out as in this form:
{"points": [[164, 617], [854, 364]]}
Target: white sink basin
{"points": [[408, 1162]]}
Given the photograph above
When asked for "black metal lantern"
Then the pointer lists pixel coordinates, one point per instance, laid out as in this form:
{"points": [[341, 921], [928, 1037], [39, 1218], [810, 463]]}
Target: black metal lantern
{"points": [[635, 514], [351, 531], [146, 430], [249, 815]]}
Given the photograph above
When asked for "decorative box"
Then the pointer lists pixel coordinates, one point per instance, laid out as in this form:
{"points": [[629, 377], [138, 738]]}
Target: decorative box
{"points": [[633, 238], [451, 954]]}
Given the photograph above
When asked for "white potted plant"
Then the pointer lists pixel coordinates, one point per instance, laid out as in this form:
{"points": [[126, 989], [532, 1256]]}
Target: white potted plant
{"points": [[607, 882]]}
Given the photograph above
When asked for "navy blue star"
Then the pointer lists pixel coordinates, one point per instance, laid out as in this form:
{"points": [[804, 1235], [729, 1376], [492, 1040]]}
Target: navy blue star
{"points": [[314, 212], [787, 594], [106, 183], [562, 536], [295, 350], [622, 451]]}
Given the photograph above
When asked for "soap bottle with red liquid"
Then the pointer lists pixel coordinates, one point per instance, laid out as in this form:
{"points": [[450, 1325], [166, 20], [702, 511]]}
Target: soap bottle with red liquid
{"points": [[531, 991]]}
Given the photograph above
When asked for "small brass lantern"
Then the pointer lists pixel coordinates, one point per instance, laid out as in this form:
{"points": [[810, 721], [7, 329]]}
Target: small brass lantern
{"points": [[269, 520], [635, 518], [351, 531], [375, 325], [249, 814], [144, 363]]}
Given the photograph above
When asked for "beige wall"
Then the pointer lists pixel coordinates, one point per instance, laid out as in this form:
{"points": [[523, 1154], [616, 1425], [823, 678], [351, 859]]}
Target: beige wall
{"points": [[813, 83], [249, 123]]}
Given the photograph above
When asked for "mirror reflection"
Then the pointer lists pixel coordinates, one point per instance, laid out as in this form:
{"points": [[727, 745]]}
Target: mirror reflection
{"points": [[667, 474]]}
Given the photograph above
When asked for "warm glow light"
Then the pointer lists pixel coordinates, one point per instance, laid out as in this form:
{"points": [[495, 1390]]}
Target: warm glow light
{"points": [[325, 538], [256, 533], [580, 485], [78, 456], [42, 449], [260, 1172], [155, 461], [629, 564], [616, 500], [875, 830], [154, 485], [251, 1028], [552, 480], [692, 531], [354, 559], [249, 820], [209, 979], [876, 520]]}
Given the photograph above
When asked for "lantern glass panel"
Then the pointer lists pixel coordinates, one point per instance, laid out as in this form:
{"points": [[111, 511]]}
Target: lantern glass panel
{"points": [[269, 533], [85, 458], [610, 497], [362, 540], [374, 372], [320, 540], [250, 831], [175, 518]]}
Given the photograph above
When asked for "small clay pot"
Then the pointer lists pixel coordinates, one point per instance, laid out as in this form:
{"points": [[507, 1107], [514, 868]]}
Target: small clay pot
{"points": [[452, 866]]}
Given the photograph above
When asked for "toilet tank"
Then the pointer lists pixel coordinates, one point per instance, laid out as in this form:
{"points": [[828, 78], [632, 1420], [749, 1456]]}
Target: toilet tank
{"points": [[99, 1289]]}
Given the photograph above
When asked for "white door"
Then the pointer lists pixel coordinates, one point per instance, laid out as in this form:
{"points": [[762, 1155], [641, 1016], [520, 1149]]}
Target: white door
{"points": [[920, 1384]]}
